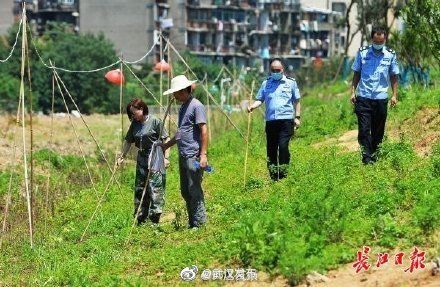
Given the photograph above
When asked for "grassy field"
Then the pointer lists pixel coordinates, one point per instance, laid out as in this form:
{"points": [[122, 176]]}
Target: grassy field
{"points": [[314, 220]]}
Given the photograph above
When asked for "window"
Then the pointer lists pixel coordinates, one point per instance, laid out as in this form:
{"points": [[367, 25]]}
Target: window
{"points": [[339, 7], [68, 2]]}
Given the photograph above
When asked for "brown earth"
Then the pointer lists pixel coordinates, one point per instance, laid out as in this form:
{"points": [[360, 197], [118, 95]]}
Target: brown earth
{"points": [[422, 130], [388, 275], [64, 140]]}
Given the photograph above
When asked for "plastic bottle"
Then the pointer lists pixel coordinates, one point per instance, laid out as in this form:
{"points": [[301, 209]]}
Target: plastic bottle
{"points": [[208, 169]]}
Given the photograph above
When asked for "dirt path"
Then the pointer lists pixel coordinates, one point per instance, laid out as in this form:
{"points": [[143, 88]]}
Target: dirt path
{"points": [[388, 275], [348, 141], [422, 130]]}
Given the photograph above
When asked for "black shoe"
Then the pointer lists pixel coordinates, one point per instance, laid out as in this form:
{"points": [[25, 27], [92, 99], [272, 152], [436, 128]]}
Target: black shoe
{"points": [[155, 217], [367, 159], [274, 176], [139, 222]]}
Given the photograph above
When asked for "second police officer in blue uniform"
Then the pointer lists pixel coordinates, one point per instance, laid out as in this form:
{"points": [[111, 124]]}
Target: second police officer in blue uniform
{"points": [[375, 68], [281, 97]]}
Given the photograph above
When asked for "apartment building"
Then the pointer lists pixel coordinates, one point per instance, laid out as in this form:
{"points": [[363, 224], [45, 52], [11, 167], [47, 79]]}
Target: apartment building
{"points": [[244, 31], [241, 32], [42, 11], [6, 16]]}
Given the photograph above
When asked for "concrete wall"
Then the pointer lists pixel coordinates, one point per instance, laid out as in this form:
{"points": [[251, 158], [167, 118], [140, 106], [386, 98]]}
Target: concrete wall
{"points": [[125, 23], [6, 16], [178, 32]]}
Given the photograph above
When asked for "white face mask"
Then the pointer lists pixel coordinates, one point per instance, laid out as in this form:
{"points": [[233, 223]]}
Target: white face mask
{"points": [[378, 47]]}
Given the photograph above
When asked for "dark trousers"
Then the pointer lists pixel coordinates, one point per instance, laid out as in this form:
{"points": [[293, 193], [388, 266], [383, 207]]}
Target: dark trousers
{"points": [[191, 190], [372, 115], [278, 135]]}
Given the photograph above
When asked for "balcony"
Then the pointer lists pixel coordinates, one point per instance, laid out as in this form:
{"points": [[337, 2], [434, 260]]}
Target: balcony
{"points": [[58, 6]]}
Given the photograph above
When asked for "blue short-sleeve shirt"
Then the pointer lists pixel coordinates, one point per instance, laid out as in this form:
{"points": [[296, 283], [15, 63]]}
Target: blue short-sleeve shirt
{"points": [[375, 70], [279, 96]]}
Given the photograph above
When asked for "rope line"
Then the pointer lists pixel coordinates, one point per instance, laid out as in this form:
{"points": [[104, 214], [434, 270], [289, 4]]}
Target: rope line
{"points": [[15, 43], [150, 92], [144, 56], [147, 181], [85, 123], [206, 90], [83, 154], [67, 70], [87, 71]]}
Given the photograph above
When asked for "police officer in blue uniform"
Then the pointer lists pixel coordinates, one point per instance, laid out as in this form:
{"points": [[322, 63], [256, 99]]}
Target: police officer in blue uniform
{"points": [[281, 96], [375, 68]]}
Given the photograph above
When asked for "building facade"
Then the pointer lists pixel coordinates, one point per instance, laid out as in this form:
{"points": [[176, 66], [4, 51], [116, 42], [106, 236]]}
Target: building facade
{"points": [[6, 16], [243, 31], [239, 32]]}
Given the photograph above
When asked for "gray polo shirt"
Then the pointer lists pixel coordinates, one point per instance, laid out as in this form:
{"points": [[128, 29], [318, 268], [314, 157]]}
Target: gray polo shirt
{"points": [[188, 136]]}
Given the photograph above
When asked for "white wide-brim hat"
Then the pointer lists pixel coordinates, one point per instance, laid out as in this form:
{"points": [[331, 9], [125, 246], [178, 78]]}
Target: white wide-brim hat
{"points": [[178, 83]]}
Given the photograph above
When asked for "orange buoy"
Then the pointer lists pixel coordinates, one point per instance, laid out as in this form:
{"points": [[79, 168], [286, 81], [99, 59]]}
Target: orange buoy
{"points": [[115, 77], [162, 66]]}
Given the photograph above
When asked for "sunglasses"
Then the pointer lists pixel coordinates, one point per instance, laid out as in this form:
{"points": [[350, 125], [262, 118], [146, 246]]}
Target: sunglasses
{"points": [[275, 70]]}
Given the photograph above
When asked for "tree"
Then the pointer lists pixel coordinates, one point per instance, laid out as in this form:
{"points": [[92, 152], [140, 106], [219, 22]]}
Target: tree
{"points": [[422, 20], [68, 50], [76, 52], [9, 89]]}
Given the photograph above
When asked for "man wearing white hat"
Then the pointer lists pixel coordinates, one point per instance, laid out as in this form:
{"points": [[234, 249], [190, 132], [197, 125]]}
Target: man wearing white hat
{"points": [[192, 141]]}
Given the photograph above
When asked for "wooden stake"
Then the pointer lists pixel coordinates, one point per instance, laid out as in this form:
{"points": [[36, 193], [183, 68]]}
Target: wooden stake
{"points": [[161, 73], [247, 136], [31, 189], [121, 100], [208, 109], [26, 180]]}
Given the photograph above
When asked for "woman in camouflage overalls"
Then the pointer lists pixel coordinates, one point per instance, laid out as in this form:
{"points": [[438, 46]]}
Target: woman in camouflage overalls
{"points": [[144, 130]]}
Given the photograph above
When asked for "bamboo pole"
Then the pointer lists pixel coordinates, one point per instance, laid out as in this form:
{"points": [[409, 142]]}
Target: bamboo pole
{"points": [[212, 98], [161, 72], [208, 107], [147, 180], [247, 136], [14, 153], [170, 75], [26, 178], [121, 99], [31, 186]]}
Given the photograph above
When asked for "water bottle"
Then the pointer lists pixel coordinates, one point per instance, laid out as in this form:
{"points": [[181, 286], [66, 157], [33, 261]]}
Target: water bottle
{"points": [[208, 169]]}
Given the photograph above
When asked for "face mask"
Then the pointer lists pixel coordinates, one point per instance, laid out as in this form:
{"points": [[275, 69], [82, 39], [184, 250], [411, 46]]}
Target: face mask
{"points": [[277, 76], [378, 47]]}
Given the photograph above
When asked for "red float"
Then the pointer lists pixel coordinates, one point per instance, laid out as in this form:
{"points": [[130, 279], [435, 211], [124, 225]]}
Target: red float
{"points": [[115, 77], [162, 66]]}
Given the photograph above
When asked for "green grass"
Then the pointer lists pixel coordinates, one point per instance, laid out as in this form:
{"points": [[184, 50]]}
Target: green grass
{"points": [[316, 219]]}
